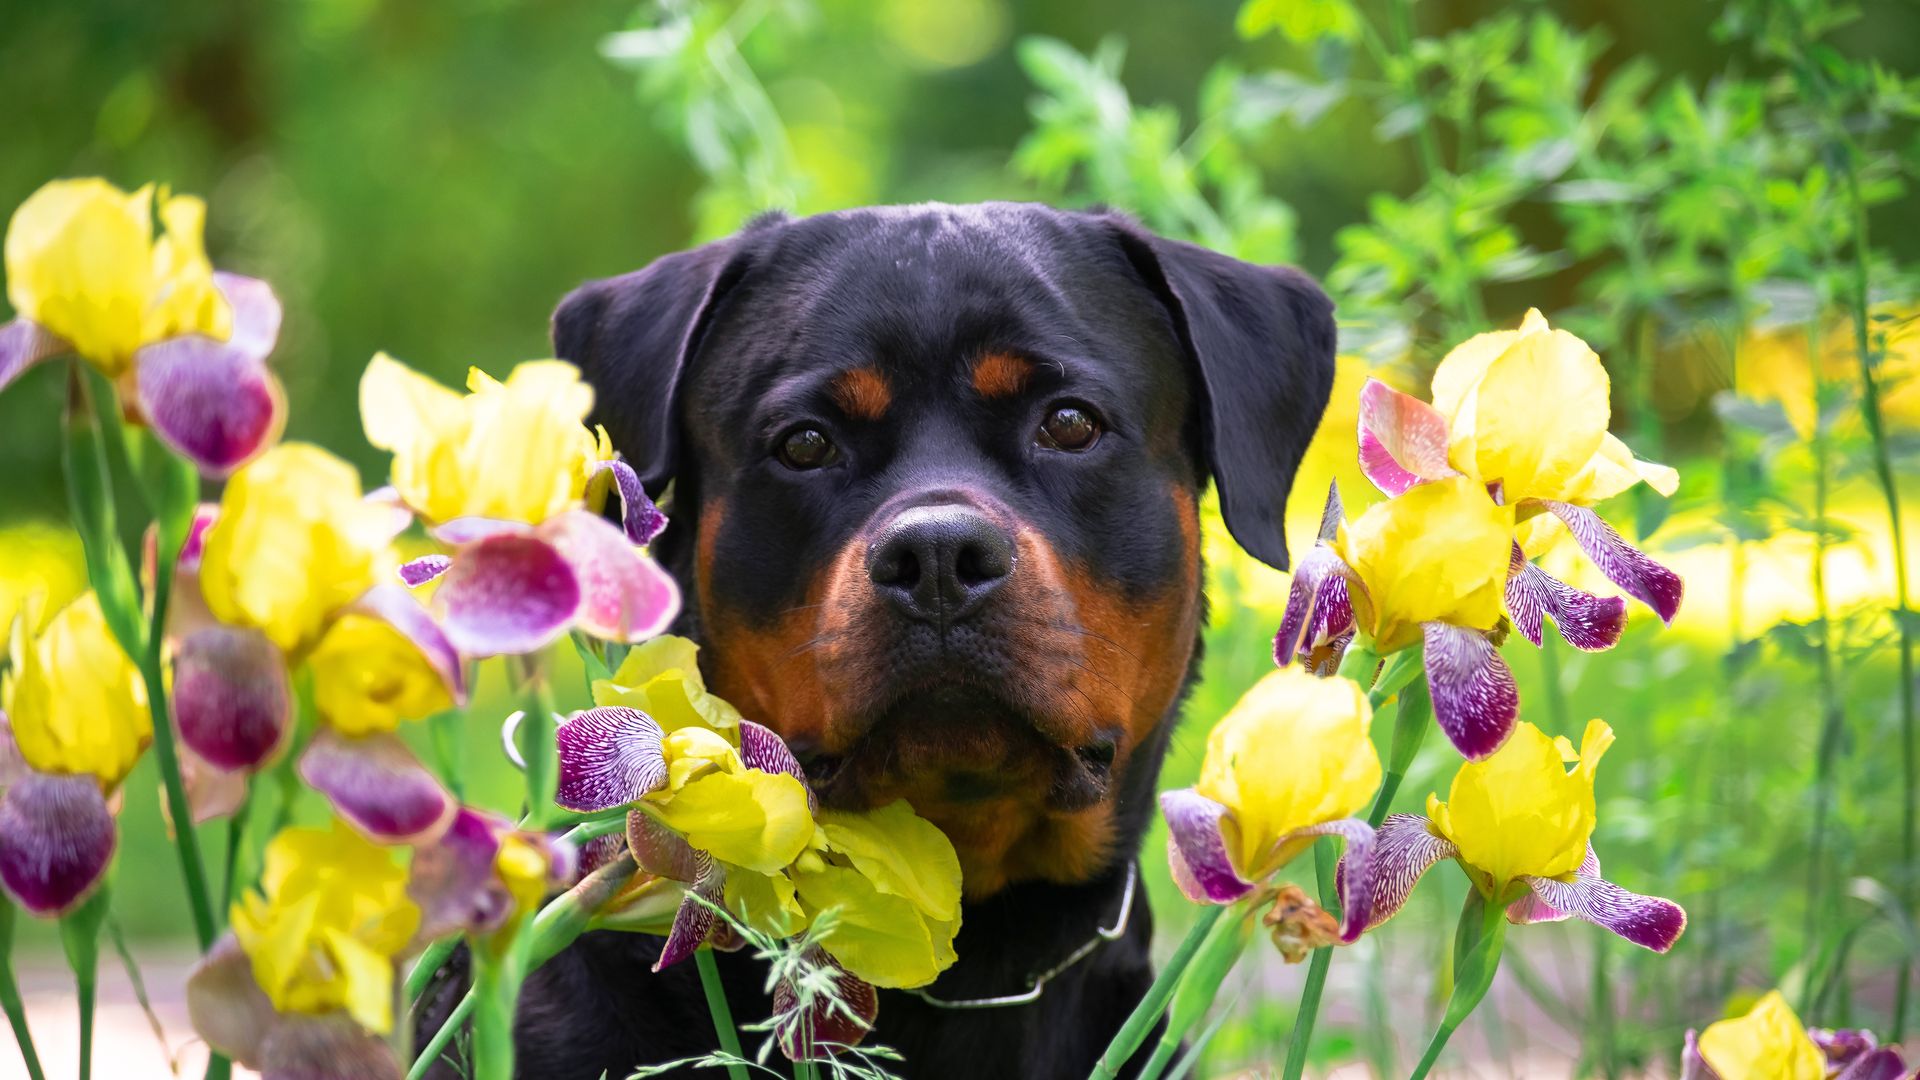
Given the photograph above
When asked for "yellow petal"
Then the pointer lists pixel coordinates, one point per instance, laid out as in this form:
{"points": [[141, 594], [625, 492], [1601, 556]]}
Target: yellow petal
{"points": [[902, 853], [765, 902], [1767, 1043], [79, 258], [369, 677], [1460, 370], [1535, 418], [185, 301], [365, 980], [292, 545], [1520, 812], [661, 678], [1292, 752], [751, 818], [879, 937], [1612, 470], [77, 703], [1437, 553]]}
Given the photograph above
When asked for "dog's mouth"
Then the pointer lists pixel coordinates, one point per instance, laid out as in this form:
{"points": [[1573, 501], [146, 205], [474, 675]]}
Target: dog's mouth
{"points": [[958, 743]]}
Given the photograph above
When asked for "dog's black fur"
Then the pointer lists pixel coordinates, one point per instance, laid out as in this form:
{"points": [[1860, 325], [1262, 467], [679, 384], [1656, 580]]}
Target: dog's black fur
{"points": [[1199, 366]]}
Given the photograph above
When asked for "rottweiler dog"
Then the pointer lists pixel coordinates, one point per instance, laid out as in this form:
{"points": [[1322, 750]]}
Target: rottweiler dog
{"points": [[934, 473]]}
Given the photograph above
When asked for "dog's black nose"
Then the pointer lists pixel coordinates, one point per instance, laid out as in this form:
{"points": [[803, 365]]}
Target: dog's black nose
{"points": [[939, 563]]}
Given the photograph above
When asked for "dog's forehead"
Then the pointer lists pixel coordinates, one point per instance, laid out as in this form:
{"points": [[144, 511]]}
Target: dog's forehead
{"points": [[918, 292]]}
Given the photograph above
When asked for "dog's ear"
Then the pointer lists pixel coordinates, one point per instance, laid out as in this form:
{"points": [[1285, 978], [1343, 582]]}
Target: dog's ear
{"points": [[633, 337], [1261, 339]]}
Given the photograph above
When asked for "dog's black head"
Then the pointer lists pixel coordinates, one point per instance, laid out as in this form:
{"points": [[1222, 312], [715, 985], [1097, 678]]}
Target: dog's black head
{"points": [[935, 472]]}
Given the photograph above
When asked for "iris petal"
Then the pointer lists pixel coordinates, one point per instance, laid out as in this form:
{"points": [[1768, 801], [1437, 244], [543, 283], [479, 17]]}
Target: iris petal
{"points": [[1318, 584], [1625, 565], [1475, 699], [1403, 849], [231, 696], [660, 851], [833, 1023], [212, 401], [452, 879], [226, 1004], [417, 572], [1587, 622], [641, 519], [378, 786], [1403, 440], [507, 594], [1647, 921], [609, 756], [398, 609], [1881, 1063], [1197, 848], [56, 838], [1356, 889], [24, 343], [693, 923], [325, 1047], [624, 596]]}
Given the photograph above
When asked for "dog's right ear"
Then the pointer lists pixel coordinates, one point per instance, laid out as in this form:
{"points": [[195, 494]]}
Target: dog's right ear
{"points": [[633, 337]]}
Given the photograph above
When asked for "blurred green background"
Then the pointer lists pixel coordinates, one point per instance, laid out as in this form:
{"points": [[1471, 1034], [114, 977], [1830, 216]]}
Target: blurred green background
{"points": [[428, 179]]}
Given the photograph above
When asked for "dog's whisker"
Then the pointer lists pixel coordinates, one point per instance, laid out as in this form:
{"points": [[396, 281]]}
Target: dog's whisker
{"points": [[1097, 636]]}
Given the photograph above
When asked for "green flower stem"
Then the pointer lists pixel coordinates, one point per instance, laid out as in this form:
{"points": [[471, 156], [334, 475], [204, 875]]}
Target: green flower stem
{"points": [[424, 968], [588, 831], [497, 974], [1297, 1044], [553, 929], [1478, 939], [1413, 717], [80, 939], [537, 748], [722, 1014], [1140, 1022], [1201, 986], [10, 994]]}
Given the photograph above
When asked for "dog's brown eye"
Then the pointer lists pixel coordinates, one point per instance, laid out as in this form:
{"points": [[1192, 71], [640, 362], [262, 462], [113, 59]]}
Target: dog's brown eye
{"points": [[1068, 428], [807, 448]]}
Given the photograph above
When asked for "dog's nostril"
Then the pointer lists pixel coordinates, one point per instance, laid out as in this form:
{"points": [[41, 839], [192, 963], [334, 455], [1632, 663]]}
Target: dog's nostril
{"points": [[1099, 756], [979, 563], [895, 565]]}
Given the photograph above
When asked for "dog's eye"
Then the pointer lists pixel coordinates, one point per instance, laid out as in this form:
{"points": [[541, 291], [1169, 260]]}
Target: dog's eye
{"points": [[1068, 427], [807, 448]]}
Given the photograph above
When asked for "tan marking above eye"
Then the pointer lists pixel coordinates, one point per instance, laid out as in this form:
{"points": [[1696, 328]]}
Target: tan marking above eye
{"points": [[1001, 375], [862, 393]]}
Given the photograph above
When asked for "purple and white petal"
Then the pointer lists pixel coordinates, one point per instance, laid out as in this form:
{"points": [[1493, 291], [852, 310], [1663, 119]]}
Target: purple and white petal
{"points": [[1842, 1046], [507, 594], [24, 343], [640, 518], [417, 572], [835, 1022], [1530, 908], [624, 596], [1305, 594], [1880, 1063], [1587, 622], [1356, 888], [761, 749], [195, 545], [212, 792], [327, 1046], [1475, 700], [212, 401], [453, 881], [387, 499], [226, 1005], [397, 608], [232, 700], [609, 756], [660, 851], [1625, 565], [693, 922], [1403, 440], [1647, 921], [378, 786], [256, 313], [1404, 848], [472, 530], [1197, 849], [56, 838]]}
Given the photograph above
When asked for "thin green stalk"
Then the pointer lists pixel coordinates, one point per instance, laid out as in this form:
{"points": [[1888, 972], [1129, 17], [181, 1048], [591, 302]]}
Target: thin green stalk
{"points": [[722, 1014], [1200, 988], [1870, 412], [497, 974], [1412, 719], [118, 939], [1140, 1022], [1832, 712], [1478, 940], [1602, 1008], [10, 994], [429, 963], [1323, 862], [80, 939], [537, 747], [438, 1044]]}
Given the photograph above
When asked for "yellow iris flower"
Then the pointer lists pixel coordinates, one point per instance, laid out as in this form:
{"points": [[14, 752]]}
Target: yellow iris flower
{"points": [[293, 544], [514, 450], [661, 678], [368, 677], [1502, 429], [1292, 753], [1768, 1043], [1437, 553], [1521, 812], [83, 262], [893, 881], [77, 703], [331, 916]]}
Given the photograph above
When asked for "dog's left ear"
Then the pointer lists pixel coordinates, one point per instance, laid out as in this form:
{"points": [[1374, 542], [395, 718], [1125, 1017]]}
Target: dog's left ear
{"points": [[1262, 341]]}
